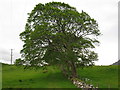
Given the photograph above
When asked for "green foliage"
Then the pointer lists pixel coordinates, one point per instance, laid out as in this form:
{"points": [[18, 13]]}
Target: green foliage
{"points": [[58, 34], [19, 61]]}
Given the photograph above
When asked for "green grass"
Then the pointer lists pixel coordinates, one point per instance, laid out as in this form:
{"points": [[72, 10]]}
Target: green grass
{"points": [[33, 79], [0, 76], [104, 76], [101, 76]]}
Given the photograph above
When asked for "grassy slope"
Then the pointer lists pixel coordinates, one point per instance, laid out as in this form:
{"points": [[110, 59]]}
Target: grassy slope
{"points": [[102, 76], [33, 79]]}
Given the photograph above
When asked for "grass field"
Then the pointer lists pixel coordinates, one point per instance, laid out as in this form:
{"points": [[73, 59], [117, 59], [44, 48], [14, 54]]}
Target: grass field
{"points": [[0, 76], [101, 76], [17, 77]]}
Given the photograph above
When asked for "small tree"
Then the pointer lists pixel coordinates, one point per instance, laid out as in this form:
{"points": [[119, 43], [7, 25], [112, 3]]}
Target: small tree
{"points": [[58, 34], [19, 61]]}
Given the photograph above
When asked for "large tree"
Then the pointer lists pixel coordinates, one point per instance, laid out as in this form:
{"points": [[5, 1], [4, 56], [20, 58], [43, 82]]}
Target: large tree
{"points": [[58, 34]]}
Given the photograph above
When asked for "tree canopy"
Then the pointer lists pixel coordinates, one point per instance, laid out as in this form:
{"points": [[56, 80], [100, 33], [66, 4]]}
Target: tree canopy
{"points": [[58, 34]]}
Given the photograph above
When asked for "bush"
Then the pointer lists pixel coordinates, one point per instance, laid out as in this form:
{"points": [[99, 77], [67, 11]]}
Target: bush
{"points": [[18, 61]]}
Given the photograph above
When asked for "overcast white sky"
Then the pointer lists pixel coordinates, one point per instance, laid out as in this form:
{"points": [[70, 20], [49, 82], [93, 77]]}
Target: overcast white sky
{"points": [[13, 16]]}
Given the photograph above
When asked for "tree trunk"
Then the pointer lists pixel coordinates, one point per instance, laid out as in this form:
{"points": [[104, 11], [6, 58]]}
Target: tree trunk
{"points": [[69, 70], [73, 70], [64, 71]]}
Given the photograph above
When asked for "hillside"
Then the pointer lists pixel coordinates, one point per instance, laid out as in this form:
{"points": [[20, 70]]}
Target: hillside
{"points": [[116, 63], [17, 77], [101, 76]]}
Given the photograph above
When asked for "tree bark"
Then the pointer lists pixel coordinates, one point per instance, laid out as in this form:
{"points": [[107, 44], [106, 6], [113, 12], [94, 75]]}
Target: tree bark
{"points": [[69, 70], [64, 71], [73, 70]]}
